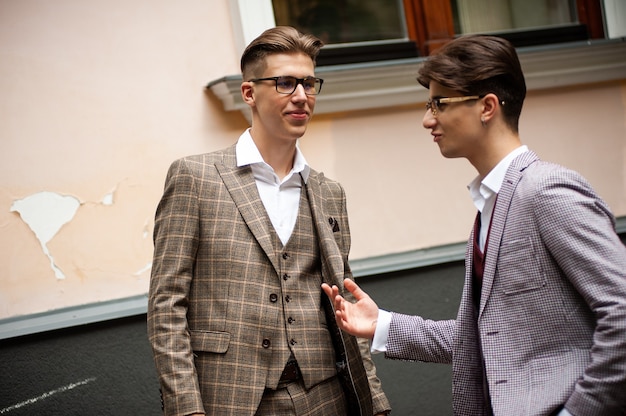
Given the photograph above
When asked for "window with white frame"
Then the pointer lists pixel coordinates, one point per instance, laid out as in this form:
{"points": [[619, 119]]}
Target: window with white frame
{"points": [[369, 30]]}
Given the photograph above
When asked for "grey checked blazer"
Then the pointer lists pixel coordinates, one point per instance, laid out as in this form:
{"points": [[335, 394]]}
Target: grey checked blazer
{"points": [[213, 260], [552, 317]]}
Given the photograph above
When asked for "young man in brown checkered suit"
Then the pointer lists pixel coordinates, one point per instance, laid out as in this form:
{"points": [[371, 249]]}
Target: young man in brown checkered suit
{"points": [[243, 238]]}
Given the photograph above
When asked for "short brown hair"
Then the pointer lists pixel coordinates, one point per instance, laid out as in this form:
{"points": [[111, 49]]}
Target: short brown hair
{"points": [[279, 39], [479, 65]]}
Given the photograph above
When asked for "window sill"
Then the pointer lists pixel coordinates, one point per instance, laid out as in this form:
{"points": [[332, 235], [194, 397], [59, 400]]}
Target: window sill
{"points": [[390, 83]]}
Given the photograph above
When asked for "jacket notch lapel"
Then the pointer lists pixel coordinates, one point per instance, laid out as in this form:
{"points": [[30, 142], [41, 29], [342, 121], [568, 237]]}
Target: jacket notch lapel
{"points": [[240, 183], [498, 220], [331, 259]]}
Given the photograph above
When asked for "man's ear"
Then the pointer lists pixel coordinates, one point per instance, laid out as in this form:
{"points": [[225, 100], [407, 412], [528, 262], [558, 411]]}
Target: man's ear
{"points": [[490, 105], [247, 93]]}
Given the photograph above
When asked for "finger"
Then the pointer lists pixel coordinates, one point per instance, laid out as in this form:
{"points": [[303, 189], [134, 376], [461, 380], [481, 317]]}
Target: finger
{"points": [[353, 288], [328, 290], [342, 322], [331, 292]]}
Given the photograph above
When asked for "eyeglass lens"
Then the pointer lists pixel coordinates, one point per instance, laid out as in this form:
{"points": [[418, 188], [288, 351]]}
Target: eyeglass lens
{"points": [[433, 106], [287, 85]]}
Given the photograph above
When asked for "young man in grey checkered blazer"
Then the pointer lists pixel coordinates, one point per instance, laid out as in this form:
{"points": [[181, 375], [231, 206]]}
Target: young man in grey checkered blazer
{"points": [[541, 329]]}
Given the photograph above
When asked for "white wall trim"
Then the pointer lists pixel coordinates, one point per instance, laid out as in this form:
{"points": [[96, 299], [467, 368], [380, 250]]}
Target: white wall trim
{"points": [[250, 18], [392, 83], [614, 18], [74, 316]]}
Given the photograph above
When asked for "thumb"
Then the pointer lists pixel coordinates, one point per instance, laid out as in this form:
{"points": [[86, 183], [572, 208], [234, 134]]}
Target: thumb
{"points": [[353, 288]]}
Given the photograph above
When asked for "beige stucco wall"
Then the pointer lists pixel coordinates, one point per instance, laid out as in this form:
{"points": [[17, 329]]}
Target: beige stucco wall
{"points": [[98, 97]]}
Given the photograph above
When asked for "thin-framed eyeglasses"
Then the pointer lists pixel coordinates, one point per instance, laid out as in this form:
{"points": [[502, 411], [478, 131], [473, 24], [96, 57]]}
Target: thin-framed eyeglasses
{"points": [[434, 104], [287, 84]]}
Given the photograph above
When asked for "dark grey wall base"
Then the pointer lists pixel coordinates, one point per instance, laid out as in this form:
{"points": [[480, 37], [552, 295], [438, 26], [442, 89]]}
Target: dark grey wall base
{"points": [[99, 369], [107, 368]]}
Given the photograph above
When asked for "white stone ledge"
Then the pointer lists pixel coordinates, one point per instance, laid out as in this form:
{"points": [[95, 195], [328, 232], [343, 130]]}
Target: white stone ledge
{"points": [[391, 83]]}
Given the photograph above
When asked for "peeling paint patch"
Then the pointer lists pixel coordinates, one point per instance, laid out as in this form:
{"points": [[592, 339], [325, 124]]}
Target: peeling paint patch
{"points": [[107, 199], [144, 269], [45, 213], [146, 229]]}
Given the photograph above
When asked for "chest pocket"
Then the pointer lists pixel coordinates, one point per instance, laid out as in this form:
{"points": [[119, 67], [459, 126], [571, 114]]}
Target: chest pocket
{"points": [[519, 270]]}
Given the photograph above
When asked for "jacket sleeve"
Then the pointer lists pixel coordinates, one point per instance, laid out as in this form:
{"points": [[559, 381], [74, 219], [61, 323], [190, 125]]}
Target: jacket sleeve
{"points": [[175, 244], [414, 338]]}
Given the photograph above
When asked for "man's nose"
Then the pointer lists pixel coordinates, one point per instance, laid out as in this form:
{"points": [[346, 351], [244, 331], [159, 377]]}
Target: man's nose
{"points": [[429, 120], [299, 93]]}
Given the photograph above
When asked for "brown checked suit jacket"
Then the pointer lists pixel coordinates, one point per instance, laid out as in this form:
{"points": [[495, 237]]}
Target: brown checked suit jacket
{"points": [[551, 324], [213, 258]]}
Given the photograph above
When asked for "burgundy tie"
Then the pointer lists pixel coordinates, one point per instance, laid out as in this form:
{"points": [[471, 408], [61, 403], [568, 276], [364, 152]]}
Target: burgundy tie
{"points": [[478, 261]]}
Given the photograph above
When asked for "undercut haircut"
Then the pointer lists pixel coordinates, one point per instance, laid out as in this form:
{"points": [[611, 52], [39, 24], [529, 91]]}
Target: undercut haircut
{"points": [[279, 39]]}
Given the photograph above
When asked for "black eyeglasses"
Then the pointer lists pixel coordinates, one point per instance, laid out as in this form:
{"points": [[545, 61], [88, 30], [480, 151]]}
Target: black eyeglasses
{"points": [[434, 104], [287, 84]]}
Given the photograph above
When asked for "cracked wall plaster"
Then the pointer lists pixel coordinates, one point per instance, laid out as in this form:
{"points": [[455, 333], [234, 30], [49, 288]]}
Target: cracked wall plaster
{"points": [[45, 213]]}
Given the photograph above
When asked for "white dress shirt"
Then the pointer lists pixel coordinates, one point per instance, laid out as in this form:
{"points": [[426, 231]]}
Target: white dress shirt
{"points": [[484, 192], [281, 198]]}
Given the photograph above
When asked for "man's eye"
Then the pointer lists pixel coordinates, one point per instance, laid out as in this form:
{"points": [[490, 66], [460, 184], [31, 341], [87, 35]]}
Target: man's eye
{"points": [[285, 83]]}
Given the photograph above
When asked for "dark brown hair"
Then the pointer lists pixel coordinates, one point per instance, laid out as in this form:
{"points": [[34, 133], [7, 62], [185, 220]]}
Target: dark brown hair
{"points": [[279, 39], [479, 65]]}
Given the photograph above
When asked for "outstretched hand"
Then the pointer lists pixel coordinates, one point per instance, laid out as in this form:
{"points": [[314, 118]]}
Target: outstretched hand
{"points": [[358, 319]]}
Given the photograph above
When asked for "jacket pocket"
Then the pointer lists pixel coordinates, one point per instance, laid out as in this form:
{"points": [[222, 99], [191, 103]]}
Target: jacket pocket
{"points": [[210, 341], [518, 267]]}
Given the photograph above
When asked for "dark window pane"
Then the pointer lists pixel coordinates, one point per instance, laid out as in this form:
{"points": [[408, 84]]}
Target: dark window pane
{"points": [[344, 21]]}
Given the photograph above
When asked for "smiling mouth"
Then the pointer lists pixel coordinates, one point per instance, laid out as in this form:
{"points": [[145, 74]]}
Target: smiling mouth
{"points": [[298, 114]]}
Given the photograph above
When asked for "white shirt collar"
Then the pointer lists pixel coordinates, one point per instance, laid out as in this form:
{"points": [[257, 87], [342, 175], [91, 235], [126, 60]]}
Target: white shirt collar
{"points": [[485, 189], [248, 154]]}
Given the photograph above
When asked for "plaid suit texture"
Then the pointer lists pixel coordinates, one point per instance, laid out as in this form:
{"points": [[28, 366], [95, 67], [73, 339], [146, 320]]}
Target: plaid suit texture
{"points": [[213, 261]]}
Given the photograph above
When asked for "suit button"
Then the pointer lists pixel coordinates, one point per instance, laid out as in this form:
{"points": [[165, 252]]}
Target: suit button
{"points": [[273, 297], [266, 343]]}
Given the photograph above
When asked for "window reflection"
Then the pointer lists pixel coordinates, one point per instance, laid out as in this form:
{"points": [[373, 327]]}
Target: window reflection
{"points": [[484, 16], [344, 21]]}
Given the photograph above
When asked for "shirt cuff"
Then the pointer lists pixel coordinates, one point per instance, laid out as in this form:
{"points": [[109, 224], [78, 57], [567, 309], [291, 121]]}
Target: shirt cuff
{"points": [[379, 343]]}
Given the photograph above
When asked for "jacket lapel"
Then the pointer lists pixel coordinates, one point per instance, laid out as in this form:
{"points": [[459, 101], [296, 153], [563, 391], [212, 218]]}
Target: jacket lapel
{"points": [[498, 220], [332, 261], [350, 369], [240, 183]]}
